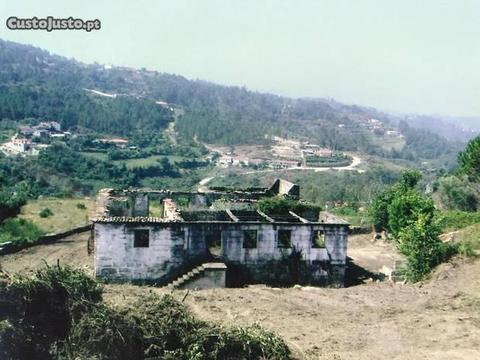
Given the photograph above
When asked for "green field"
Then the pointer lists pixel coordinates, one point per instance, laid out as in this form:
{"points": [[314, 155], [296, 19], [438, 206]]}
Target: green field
{"points": [[133, 163], [151, 160], [95, 155], [66, 214]]}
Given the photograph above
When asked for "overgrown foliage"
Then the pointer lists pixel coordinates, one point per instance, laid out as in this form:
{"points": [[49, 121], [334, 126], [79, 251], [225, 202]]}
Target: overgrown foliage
{"points": [[281, 205], [379, 208], [19, 232], [38, 312], [415, 224], [419, 243], [58, 314]]}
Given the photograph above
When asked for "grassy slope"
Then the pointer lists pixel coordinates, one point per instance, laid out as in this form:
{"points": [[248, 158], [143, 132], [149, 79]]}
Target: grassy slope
{"points": [[66, 215]]}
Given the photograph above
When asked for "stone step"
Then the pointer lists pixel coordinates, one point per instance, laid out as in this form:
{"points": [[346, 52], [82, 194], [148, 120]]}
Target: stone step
{"points": [[195, 272]]}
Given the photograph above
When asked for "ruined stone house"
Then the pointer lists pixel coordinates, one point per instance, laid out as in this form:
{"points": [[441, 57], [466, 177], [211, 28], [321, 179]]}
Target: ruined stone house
{"points": [[131, 244]]}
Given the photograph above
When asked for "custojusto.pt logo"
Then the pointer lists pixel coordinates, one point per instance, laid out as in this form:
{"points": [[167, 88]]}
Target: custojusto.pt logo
{"points": [[50, 23]]}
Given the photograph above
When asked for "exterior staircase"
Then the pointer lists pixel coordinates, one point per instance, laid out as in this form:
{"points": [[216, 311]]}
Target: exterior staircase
{"points": [[205, 276]]}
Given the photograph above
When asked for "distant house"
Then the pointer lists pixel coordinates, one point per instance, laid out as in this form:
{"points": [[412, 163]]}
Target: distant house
{"points": [[393, 133], [324, 152], [20, 145], [26, 130], [225, 161], [164, 105], [58, 136], [17, 146], [40, 133], [43, 129], [49, 125], [283, 164]]}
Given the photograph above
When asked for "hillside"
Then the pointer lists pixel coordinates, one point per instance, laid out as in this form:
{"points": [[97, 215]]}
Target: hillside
{"points": [[122, 101]]}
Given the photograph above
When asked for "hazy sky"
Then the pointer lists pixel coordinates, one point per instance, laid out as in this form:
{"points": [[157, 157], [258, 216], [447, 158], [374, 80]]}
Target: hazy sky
{"points": [[399, 55]]}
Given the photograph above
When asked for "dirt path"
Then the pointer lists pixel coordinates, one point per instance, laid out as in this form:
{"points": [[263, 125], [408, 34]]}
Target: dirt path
{"points": [[437, 320], [71, 251]]}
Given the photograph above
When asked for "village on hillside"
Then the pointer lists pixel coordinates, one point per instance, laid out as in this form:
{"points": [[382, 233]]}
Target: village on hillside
{"points": [[282, 154], [29, 140]]}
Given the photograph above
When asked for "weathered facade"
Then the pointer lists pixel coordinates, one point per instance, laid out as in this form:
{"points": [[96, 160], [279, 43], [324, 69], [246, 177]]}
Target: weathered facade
{"points": [[131, 245]]}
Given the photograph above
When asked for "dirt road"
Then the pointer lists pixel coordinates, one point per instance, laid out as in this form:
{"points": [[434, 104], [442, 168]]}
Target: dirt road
{"points": [[356, 161]]}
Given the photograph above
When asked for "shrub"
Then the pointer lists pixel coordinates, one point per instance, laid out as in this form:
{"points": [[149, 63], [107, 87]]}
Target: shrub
{"points": [[104, 333], [252, 342], [45, 212], [19, 231], [58, 314], [405, 208], [419, 243], [42, 309], [378, 210], [81, 206]]}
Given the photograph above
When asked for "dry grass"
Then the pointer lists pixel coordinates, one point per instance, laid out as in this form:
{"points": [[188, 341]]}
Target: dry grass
{"points": [[66, 214]]}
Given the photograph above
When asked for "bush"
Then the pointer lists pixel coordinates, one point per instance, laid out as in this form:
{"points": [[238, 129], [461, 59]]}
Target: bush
{"points": [[379, 211], [45, 212], [252, 342], [40, 310], [81, 206], [104, 333], [58, 314], [19, 231], [405, 208], [419, 243], [163, 328]]}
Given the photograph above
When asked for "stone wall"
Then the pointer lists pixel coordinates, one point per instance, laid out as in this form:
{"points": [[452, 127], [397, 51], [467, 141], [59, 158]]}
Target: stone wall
{"points": [[321, 266], [116, 258], [175, 248]]}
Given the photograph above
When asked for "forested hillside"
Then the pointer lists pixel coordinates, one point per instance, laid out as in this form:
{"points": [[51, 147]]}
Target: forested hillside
{"points": [[35, 84]]}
